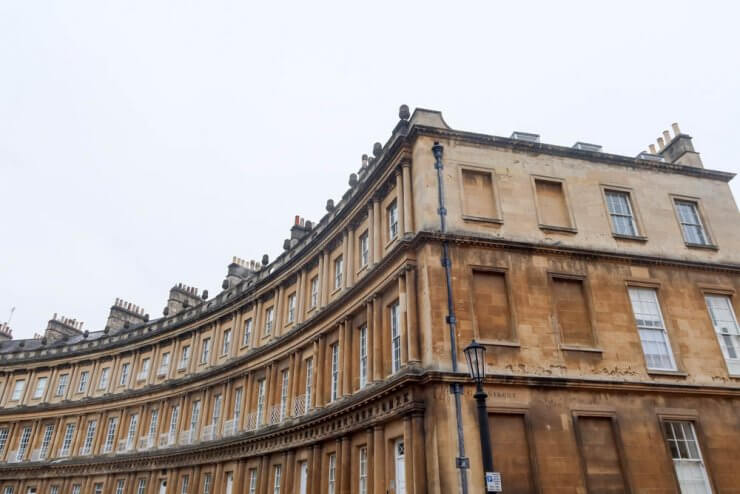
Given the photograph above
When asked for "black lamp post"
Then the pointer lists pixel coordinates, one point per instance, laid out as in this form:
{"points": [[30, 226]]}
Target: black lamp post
{"points": [[475, 353]]}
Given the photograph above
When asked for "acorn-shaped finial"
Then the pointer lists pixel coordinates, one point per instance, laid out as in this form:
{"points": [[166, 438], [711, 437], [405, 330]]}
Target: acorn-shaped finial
{"points": [[403, 112]]}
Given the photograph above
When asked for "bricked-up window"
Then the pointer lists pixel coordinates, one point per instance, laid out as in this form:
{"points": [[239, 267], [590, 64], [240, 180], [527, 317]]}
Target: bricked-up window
{"points": [[727, 329], [653, 335], [692, 226], [619, 205], [511, 452], [687, 458], [552, 206], [600, 455], [491, 306], [572, 311], [478, 195]]}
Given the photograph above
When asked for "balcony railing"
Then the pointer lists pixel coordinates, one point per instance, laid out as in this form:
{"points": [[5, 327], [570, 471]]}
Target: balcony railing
{"points": [[188, 437], [167, 439], [250, 423], [230, 426], [299, 405], [274, 415], [124, 445], [146, 442], [209, 432], [39, 454], [163, 370]]}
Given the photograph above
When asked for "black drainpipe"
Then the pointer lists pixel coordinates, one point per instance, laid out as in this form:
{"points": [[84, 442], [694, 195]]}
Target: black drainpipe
{"points": [[461, 462]]}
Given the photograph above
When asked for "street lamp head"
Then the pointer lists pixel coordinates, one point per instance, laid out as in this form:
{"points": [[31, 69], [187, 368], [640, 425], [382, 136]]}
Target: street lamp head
{"points": [[475, 353]]}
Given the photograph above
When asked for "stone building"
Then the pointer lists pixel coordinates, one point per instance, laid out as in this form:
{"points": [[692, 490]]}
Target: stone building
{"points": [[604, 288]]}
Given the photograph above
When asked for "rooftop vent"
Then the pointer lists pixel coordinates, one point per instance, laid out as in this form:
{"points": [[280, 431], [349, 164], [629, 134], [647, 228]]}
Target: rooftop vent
{"points": [[650, 157], [585, 146], [525, 136]]}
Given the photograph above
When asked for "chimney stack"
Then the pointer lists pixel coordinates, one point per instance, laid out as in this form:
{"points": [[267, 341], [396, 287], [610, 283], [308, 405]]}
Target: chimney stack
{"points": [[182, 297], [679, 149], [299, 229], [61, 327], [122, 312], [5, 332], [239, 270]]}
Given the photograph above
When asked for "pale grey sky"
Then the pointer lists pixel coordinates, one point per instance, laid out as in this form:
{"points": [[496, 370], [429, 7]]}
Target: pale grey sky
{"points": [[144, 143]]}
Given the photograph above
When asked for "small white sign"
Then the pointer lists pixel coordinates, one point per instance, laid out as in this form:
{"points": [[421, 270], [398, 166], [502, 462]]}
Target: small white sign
{"points": [[493, 482]]}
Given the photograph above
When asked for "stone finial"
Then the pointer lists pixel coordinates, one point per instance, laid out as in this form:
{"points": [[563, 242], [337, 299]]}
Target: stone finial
{"points": [[364, 161], [265, 260], [403, 112], [286, 244], [329, 205], [377, 149], [352, 179], [225, 284], [205, 295]]}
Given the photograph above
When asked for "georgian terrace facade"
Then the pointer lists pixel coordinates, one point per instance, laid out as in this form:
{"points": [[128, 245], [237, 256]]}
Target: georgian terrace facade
{"points": [[604, 288]]}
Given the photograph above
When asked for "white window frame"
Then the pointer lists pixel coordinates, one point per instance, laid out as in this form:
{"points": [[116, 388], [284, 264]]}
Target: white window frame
{"points": [[237, 403], [207, 483], [332, 474], [174, 416], [110, 434], [226, 345], [252, 481], [693, 225], [648, 326], [314, 291], [726, 328], [164, 363], [260, 401], [364, 249], [291, 307], [615, 214], [269, 319], [119, 486], [18, 388], [363, 356], [335, 371], [153, 424], [46, 440], [285, 376], [278, 471], [184, 356], [40, 389], [84, 380], [399, 462], [69, 432], [104, 378], [133, 423], [125, 373], [309, 382], [247, 332], [3, 438], [23, 443], [217, 405], [685, 451], [395, 313], [205, 350], [141, 488], [62, 383], [393, 220], [185, 484], [194, 416], [338, 272], [362, 470], [92, 427]]}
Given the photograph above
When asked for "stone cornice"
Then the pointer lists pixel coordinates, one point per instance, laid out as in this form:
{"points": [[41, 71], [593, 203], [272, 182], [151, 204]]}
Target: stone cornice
{"points": [[568, 152]]}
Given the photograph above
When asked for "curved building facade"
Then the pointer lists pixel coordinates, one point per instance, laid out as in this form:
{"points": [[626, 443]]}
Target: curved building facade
{"points": [[603, 287]]}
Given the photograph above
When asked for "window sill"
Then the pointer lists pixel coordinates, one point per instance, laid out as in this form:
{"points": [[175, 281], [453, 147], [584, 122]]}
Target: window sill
{"points": [[559, 229], [587, 349], [335, 291], [362, 268], [656, 372], [483, 219], [632, 238], [701, 246], [500, 343], [390, 242]]}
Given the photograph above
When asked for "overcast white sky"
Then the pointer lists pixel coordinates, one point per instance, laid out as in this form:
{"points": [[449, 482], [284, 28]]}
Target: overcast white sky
{"points": [[144, 143]]}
